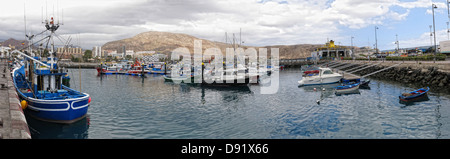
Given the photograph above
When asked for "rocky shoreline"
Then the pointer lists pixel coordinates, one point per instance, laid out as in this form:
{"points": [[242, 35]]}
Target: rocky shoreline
{"points": [[432, 77]]}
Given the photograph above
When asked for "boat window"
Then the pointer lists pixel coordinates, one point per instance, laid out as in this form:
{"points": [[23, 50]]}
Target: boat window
{"points": [[327, 72]]}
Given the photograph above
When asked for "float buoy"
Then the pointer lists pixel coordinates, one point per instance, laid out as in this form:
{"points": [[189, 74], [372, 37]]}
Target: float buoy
{"points": [[24, 104]]}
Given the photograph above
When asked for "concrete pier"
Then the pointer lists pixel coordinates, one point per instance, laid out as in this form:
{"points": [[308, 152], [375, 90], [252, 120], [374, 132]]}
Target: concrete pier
{"points": [[435, 75], [13, 124]]}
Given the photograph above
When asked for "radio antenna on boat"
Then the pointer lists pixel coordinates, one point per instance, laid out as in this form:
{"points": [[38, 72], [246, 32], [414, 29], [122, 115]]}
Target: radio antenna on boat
{"points": [[42, 14], [46, 10], [62, 16], [25, 20]]}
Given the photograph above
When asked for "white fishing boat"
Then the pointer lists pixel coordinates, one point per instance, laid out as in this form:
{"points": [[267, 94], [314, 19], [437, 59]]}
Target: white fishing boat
{"points": [[326, 76], [225, 77]]}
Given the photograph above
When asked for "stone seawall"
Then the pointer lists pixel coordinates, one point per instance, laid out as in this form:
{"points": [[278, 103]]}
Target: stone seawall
{"points": [[435, 76], [78, 65], [13, 124]]}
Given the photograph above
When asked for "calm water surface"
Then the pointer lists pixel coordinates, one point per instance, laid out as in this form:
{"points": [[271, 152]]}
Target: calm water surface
{"points": [[131, 107]]}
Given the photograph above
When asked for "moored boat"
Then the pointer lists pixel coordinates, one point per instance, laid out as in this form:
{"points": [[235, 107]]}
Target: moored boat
{"points": [[225, 77], [158, 68], [347, 88], [326, 76], [39, 85], [137, 68], [105, 69], [414, 95]]}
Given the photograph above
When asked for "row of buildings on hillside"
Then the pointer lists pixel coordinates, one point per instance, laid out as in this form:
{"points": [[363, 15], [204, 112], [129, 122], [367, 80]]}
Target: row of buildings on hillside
{"points": [[98, 52]]}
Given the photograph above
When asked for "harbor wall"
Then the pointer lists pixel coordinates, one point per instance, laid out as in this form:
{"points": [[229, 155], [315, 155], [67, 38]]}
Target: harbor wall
{"points": [[13, 124], [298, 64], [78, 64], [433, 75], [287, 64]]}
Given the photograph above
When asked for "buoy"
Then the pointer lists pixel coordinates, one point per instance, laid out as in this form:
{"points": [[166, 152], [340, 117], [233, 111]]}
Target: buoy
{"points": [[89, 101], [24, 104], [323, 89], [315, 89], [318, 102]]}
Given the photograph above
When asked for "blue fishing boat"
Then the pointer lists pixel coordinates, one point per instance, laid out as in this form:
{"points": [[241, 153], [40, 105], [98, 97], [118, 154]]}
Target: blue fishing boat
{"points": [[414, 95], [347, 88], [39, 85]]}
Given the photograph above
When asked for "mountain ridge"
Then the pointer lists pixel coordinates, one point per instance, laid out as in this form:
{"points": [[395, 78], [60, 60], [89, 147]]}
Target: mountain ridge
{"points": [[165, 42]]}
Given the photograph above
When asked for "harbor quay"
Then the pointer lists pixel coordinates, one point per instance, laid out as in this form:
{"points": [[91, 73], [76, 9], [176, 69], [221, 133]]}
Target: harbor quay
{"points": [[13, 124], [420, 73]]}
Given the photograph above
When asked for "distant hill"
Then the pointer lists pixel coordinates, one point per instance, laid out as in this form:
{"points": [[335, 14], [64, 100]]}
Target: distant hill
{"points": [[161, 42], [14, 43], [165, 42]]}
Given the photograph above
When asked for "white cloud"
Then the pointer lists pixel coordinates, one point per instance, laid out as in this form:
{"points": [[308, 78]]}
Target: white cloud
{"points": [[424, 39], [267, 22]]}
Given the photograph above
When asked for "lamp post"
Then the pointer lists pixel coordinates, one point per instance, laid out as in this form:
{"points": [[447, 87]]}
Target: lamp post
{"points": [[396, 42], [448, 21], [431, 36], [376, 41], [433, 6], [351, 41], [448, 36]]}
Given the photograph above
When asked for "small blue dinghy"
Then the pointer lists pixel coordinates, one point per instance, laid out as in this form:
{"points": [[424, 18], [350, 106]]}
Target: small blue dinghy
{"points": [[414, 95]]}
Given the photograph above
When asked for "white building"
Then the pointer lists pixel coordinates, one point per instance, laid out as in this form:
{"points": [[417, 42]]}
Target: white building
{"points": [[115, 54], [4, 50], [154, 58], [140, 54], [129, 52], [97, 51]]}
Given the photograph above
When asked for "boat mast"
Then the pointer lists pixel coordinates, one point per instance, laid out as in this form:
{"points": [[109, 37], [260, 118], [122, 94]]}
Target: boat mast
{"points": [[52, 27]]}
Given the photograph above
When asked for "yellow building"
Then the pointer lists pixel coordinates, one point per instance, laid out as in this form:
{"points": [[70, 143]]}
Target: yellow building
{"points": [[330, 50]]}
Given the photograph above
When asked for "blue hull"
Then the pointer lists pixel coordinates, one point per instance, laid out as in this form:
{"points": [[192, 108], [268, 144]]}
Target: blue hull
{"points": [[59, 110], [319, 84], [418, 94]]}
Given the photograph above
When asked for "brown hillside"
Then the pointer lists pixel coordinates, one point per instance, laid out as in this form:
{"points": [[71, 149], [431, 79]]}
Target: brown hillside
{"points": [[14, 43], [164, 42]]}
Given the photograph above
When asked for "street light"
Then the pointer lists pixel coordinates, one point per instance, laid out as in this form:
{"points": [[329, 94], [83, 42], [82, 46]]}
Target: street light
{"points": [[433, 6], [396, 42], [431, 36], [376, 41], [351, 40], [448, 36]]}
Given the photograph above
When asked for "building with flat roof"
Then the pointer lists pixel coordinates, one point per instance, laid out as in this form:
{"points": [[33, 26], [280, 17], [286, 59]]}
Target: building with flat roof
{"points": [[330, 50], [67, 53]]}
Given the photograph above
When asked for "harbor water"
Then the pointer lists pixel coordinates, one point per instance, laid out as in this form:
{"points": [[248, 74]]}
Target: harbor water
{"points": [[148, 108]]}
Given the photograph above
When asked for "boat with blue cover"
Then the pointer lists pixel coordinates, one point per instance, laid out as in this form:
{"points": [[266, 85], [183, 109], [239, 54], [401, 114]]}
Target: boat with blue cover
{"points": [[39, 82], [414, 95], [347, 88], [158, 68]]}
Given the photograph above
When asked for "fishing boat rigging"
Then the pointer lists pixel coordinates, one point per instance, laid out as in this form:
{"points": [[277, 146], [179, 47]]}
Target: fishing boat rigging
{"points": [[39, 82]]}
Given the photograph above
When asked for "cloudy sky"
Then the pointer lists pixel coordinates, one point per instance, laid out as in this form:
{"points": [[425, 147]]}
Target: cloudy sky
{"points": [[263, 22]]}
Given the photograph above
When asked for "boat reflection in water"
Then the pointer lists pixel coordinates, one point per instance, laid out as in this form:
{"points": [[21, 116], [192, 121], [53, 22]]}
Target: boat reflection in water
{"points": [[46, 130], [348, 92], [326, 91]]}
